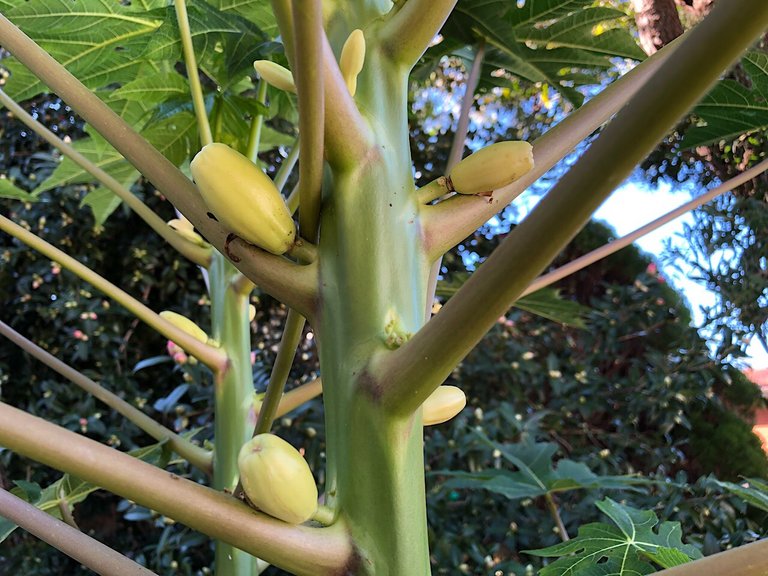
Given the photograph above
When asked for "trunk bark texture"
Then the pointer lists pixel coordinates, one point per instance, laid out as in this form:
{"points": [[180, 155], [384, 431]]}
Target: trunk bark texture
{"points": [[658, 23]]}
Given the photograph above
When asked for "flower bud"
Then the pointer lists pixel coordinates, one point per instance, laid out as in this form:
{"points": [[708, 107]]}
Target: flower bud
{"points": [[185, 324], [491, 168], [275, 75], [277, 479], [443, 404], [184, 228], [352, 59], [243, 198]]}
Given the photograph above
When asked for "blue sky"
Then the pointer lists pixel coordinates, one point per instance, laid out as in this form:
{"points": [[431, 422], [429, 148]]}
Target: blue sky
{"points": [[631, 207], [634, 205]]}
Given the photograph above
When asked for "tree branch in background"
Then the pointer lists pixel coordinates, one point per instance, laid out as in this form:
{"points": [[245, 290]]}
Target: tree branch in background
{"points": [[658, 23]]}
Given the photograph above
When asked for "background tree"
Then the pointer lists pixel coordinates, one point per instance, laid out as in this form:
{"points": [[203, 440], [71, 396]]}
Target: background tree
{"points": [[174, 131]]}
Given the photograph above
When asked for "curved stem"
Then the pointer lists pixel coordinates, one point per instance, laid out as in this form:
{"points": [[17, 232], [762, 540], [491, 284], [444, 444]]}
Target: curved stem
{"points": [[195, 455], [254, 138], [86, 550], [293, 284], [300, 549], [197, 254], [192, 72], [612, 247], [208, 355]]}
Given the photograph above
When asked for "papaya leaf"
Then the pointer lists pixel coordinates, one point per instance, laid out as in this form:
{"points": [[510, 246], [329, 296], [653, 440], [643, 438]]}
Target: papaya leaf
{"points": [[630, 547], [732, 109], [536, 474], [99, 42], [256, 11], [539, 40], [102, 203], [174, 137], [548, 304], [225, 43], [153, 88]]}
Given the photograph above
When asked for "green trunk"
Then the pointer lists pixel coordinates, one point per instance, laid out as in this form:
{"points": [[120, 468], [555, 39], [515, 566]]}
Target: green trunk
{"points": [[373, 290]]}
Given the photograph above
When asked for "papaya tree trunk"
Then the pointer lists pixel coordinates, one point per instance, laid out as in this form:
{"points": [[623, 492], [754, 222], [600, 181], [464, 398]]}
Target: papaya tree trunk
{"points": [[373, 280]]}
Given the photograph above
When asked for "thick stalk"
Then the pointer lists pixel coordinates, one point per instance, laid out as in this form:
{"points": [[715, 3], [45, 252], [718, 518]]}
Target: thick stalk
{"points": [[413, 25], [299, 549], [86, 550], [373, 287], [233, 396], [195, 455]]}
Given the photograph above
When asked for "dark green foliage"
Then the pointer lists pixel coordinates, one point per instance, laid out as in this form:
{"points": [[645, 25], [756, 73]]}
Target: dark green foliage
{"points": [[723, 443]]}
